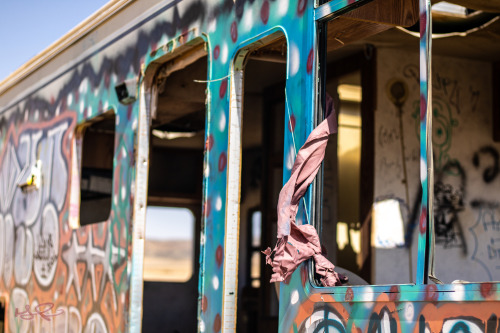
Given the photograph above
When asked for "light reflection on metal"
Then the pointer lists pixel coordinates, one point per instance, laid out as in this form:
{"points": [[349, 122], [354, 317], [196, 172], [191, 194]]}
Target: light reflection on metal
{"points": [[426, 229]]}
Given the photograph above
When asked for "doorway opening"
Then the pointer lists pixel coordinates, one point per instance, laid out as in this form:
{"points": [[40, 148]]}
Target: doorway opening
{"points": [[261, 180], [173, 218]]}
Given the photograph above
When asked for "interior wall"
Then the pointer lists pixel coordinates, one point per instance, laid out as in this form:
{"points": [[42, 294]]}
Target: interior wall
{"points": [[467, 189]]}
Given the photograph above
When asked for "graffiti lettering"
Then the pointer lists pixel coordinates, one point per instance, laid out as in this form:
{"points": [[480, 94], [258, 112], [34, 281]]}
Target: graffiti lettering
{"points": [[46, 252], [474, 98], [491, 224], [387, 135], [412, 72], [23, 255], [494, 251], [450, 88], [386, 166], [486, 234], [44, 313]]}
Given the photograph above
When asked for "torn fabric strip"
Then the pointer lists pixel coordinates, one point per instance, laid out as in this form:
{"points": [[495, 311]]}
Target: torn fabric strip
{"points": [[299, 243]]}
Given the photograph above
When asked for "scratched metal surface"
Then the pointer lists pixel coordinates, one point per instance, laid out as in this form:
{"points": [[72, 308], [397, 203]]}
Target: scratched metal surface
{"points": [[88, 272]]}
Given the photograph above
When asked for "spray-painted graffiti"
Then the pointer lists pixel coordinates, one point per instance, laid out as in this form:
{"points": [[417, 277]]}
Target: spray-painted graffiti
{"points": [[486, 233], [387, 135], [42, 310], [449, 191], [84, 272], [324, 318], [385, 315], [442, 130], [60, 319], [449, 87], [490, 172], [31, 218], [35, 239]]}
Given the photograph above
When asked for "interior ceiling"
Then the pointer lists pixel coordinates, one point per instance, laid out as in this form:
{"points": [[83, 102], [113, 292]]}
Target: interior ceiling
{"points": [[350, 33], [482, 43], [181, 100], [492, 6]]}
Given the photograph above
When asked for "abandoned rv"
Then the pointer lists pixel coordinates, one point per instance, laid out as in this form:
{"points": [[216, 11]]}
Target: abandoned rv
{"points": [[142, 157]]}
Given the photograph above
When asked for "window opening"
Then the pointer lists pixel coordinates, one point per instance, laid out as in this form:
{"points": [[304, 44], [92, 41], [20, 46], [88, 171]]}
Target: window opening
{"points": [[169, 244], [96, 141], [348, 175], [464, 209], [351, 186]]}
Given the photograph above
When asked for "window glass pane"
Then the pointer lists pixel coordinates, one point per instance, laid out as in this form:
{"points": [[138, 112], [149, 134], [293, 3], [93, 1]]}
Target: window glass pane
{"points": [[169, 244]]}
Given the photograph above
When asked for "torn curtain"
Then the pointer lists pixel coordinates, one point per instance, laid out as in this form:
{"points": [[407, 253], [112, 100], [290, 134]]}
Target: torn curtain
{"points": [[297, 243]]}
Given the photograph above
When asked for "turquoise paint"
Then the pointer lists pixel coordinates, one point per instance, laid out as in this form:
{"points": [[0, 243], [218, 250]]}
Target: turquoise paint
{"points": [[87, 90]]}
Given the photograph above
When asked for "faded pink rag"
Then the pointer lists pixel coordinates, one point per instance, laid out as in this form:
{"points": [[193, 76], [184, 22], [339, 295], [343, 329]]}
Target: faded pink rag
{"points": [[299, 243]]}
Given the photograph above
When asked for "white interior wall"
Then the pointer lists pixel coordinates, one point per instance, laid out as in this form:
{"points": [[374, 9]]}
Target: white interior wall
{"points": [[462, 126]]}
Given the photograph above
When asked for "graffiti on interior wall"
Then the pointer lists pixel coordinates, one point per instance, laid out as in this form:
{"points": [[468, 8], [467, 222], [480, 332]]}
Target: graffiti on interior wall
{"points": [[449, 88], [390, 166], [487, 158], [442, 128], [386, 135], [449, 192], [486, 234]]}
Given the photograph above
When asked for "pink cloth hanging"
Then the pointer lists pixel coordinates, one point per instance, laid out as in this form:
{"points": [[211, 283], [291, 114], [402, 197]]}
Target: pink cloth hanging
{"points": [[298, 243]]}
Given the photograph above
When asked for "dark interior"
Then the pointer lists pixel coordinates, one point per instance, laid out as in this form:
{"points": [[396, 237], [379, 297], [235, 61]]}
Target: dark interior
{"points": [[175, 180], [97, 168], [261, 180]]}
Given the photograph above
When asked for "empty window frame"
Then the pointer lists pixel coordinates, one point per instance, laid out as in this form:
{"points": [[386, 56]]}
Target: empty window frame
{"points": [[348, 73], [93, 164]]}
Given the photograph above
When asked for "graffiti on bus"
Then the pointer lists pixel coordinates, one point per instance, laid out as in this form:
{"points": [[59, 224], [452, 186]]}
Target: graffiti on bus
{"points": [[384, 315], [39, 252]]}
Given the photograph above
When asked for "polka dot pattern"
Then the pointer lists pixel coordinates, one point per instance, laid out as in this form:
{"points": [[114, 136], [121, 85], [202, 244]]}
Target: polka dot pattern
{"points": [[218, 256], [264, 12]]}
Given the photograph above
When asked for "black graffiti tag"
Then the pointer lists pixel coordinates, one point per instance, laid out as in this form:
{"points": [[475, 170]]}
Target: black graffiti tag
{"points": [[490, 172]]}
